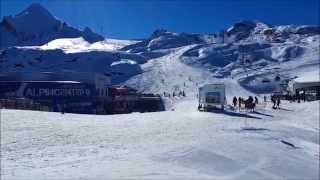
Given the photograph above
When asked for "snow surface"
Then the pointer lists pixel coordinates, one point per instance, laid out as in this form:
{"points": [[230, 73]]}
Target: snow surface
{"points": [[76, 45], [180, 144]]}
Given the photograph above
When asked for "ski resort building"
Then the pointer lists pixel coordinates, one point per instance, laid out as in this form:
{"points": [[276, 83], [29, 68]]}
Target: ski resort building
{"points": [[308, 87], [94, 97], [57, 96]]}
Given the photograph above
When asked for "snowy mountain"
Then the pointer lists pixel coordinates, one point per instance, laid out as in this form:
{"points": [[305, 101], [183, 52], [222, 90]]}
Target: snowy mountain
{"points": [[249, 53], [76, 45], [161, 43], [250, 58], [36, 26], [26, 62]]}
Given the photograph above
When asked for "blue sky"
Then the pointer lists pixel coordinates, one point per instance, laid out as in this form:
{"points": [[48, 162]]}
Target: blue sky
{"points": [[139, 18]]}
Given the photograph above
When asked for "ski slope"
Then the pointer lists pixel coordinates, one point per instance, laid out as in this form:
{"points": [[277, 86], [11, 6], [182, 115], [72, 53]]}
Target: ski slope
{"points": [[169, 74], [180, 144]]}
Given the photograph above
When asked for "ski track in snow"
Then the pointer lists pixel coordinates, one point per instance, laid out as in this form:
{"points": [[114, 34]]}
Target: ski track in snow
{"points": [[168, 74], [176, 144]]}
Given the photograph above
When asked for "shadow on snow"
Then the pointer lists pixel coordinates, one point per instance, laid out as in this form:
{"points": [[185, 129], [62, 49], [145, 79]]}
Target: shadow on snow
{"points": [[259, 113], [235, 114]]}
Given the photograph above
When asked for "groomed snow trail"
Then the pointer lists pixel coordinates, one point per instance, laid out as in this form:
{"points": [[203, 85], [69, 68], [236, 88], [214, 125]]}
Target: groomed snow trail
{"points": [[168, 74], [178, 144]]}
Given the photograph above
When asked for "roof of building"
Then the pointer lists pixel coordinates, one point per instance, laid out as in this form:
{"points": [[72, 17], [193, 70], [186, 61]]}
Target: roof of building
{"points": [[310, 76]]}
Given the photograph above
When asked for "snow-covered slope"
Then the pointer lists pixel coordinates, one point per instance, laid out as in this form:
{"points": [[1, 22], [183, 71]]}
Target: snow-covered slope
{"points": [[181, 144], [249, 52], [24, 63], [112, 44], [160, 43], [169, 74], [36, 26], [76, 45]]}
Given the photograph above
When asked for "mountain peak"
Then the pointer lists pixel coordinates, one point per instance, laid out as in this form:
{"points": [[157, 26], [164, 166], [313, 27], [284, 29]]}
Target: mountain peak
{"points": [[36, 25], [35, 9], [247, 25], [35, 19], [36, 6], [251, 23], [159, 32]]}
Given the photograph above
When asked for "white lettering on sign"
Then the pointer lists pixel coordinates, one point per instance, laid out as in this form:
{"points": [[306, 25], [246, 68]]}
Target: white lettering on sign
{"points": [[29, 92], [57, 92]]}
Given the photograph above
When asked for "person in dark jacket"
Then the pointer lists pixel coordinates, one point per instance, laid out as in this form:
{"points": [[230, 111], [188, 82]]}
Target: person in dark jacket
{"points": [[250, 99], [239, 102], [273, 100], [256, 101], [304, 96], [249, 104], [298, 97], [234, 101], [278, 102]]}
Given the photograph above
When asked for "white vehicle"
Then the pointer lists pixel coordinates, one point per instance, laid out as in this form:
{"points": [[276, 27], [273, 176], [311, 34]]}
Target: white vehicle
{"points": [[212, 96]]}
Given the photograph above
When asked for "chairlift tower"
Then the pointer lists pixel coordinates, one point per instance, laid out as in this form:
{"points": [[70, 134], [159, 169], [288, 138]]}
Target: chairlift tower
{"points": [[242, 56]]}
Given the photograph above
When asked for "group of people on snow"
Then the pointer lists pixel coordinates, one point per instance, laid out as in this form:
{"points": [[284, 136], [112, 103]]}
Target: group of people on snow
{"points": [[174, 94], [300, 96], [249, 103]]}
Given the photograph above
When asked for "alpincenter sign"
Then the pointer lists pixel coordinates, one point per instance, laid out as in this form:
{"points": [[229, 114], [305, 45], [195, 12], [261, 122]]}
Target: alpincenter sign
{"points": [[56, 92]]}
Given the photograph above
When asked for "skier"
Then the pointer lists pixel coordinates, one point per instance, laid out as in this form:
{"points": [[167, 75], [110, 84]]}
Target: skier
{"points": [[265, 98], [273, 100], [183, 94], [249, 103], [278, 102], [234, 101], [239, 102], [62, 108], [256, 101], [250, 99]]}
